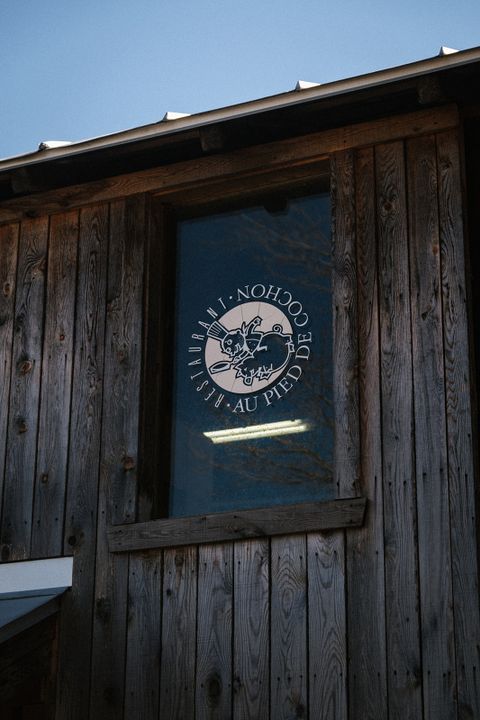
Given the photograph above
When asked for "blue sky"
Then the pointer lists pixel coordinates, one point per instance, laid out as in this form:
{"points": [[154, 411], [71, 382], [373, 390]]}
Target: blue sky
{"points": [[72, 70]]}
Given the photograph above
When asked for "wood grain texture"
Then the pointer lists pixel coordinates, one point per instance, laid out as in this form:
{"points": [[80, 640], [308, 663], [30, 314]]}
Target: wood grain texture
{"points": [[288, 664], [213, 697], [143, 637], [54, 423], [345, 352], [120, 421], [327, 627], [251, 638], [439, 681], [73, 686], [217, 631], [365, 554], [260, 159], [276, 520], [25, 391], [459, 429], [123, 344], [179, 633], [107, 682], [401, 580], [8, 276]]}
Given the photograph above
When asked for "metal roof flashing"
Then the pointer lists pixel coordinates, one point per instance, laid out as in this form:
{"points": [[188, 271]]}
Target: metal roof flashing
{"points": [[30, 591], [176, 123]]}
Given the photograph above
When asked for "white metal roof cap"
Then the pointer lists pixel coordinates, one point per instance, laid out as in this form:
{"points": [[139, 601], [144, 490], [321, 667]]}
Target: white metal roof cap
{"points": [[28, 585], [35, 575]]}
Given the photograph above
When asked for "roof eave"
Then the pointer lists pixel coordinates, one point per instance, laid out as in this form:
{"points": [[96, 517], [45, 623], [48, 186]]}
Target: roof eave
{"points": [[274, 102]]}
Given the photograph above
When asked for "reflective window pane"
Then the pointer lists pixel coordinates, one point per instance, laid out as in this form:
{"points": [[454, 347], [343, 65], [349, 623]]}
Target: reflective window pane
{"points": [[252, 392]]}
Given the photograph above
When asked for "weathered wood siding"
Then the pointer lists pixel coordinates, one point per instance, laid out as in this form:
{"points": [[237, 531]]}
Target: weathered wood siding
{"points": [[373, 623]]}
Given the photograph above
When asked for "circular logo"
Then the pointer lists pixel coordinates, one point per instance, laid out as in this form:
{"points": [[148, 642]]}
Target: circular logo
{"points": [[248, 347], [251, 349]]}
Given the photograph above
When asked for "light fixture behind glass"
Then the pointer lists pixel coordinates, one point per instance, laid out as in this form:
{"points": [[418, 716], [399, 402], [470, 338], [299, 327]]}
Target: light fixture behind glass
{"points": [[254, 432]]}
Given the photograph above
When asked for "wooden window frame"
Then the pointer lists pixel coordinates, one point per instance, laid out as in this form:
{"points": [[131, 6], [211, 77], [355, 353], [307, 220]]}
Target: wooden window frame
{"points": [[241, 525], [151, 529]]}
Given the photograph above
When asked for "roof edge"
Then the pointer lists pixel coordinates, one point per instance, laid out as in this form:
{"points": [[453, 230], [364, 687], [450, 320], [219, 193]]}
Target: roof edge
{"points": [[252, 107]]}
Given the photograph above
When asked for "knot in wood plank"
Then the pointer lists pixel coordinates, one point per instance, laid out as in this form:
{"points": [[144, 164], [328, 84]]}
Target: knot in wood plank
{"points": [[25, 366], [22, 427], [214, 689], [19, 322], [179, 559], [128, 462]]}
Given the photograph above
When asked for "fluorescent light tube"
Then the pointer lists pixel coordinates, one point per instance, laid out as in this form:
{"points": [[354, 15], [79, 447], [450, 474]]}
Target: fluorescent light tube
{"points": [[252, 432]]}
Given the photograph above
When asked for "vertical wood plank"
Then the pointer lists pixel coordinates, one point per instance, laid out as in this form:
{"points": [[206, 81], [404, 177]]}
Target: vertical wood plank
{"points": [[289, 628], [213, 697], [345, 343], [8, 272], [439, 679], [345, 363], [25, 390], [365, 556], [401, 580], [73, 686], [143, 636], [107, 681], [123, 345], [326, 626], [179, 633], [119, 461], [251, 630], [459, 429], [50, 483]]}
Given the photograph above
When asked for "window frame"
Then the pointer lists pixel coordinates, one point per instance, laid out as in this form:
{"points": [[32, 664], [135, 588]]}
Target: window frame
{"points": [[152, 527]]}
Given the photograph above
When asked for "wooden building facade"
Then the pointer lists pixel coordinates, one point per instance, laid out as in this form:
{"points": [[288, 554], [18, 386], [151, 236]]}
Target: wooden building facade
{"points": [[364, 606]]}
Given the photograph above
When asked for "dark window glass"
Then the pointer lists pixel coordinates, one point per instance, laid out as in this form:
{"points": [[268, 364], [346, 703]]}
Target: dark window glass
{"points": [[252, 392]]}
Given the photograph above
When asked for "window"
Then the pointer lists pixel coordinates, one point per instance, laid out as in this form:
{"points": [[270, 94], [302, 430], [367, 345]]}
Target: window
{"points": [[251, 406], [237, 430]]}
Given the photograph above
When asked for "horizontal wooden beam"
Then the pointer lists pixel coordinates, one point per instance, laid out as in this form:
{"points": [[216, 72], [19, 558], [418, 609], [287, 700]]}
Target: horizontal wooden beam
{"points": [[257, 160], [219, 527]]}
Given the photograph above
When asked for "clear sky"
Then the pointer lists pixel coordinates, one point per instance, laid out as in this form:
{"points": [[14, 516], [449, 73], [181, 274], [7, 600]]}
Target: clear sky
{"points": [[71, 70]]}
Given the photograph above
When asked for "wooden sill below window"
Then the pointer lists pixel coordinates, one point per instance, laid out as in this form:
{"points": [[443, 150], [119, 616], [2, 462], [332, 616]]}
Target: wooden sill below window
{"points": [[218, 527]]}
